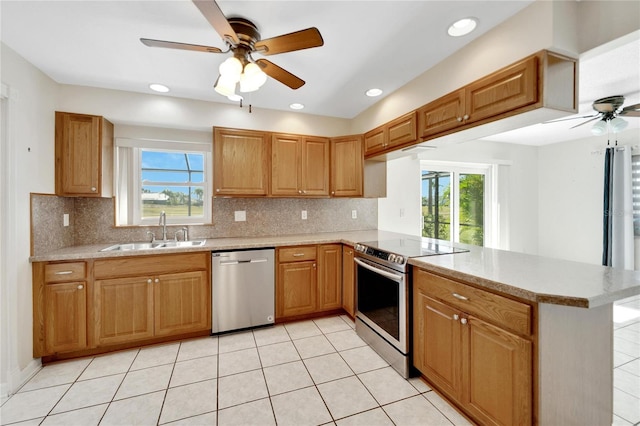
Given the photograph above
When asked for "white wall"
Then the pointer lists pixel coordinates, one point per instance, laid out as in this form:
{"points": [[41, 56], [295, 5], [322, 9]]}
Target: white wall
{"points": [[403, 193]]}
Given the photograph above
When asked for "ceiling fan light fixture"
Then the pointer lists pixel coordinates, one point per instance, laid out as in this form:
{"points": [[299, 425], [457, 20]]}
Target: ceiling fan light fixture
{"points": [[618, 124], [462, 27], [252, 78], [157, 87], [235, 98], [599, 128], [226, 86]]}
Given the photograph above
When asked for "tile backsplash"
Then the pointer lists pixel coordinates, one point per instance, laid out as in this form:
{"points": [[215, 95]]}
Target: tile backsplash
{"points": [[91, 220]]}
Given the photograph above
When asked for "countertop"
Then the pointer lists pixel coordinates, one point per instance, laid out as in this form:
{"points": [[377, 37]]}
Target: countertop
{"points": [[534, 278]]}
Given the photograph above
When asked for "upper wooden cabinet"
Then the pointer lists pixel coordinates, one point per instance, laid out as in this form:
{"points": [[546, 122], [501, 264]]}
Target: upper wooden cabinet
{"points": [[84, 155], [241, 162], [299, 165], [396, 133], [347, 166]]}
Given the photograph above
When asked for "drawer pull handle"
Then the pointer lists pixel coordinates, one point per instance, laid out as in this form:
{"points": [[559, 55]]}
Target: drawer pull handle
{"points": [[463, 321], [298, 254], [63, 273], [459, 296]]}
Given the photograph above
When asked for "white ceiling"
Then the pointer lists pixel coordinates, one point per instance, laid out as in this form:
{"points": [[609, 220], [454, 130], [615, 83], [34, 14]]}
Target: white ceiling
{"points": [[368, 44]]}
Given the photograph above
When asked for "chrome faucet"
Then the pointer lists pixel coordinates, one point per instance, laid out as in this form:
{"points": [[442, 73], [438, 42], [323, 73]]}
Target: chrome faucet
{"points": [[185, 234], [163, 222]]}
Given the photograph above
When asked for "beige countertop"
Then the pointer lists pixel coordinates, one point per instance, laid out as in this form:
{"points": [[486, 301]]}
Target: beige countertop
{"points": [[529, 277]]}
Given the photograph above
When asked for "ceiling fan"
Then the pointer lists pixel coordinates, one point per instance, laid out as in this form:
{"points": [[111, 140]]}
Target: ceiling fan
{"points": [[608, 112], [243, 39]]}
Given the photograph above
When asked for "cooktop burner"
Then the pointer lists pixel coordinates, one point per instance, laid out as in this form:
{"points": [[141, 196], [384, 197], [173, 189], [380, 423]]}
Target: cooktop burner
{"points": [[413, 247]]}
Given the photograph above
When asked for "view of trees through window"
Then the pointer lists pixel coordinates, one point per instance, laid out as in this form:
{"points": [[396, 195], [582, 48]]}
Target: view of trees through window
{"points": [[453, 201]]}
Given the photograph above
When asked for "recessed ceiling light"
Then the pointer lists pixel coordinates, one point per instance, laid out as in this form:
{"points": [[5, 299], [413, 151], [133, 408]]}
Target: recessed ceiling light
{"points": [[373, 92], [159, 88], [296, 106], [462, 27], [235, 97]]}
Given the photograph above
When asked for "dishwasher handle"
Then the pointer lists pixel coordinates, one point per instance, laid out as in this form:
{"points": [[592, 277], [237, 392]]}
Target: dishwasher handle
{"points": [[236, 262]]}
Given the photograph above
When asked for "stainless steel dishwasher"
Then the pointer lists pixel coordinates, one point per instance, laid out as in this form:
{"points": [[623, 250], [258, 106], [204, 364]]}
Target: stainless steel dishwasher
{"points": [[243, 289]]}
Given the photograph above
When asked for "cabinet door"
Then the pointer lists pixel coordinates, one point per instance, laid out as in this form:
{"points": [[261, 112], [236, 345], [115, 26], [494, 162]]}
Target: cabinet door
{"points": [[347, 166], [315, 166], [503, 91], [402, 130], [285, 164], [181, 303], [296, 290], [375, 141], [329, 277], [123, 309], [241, 162], [348, 281], [78, 154], [498, 375], [443, 114], [65, 317], [437, 343]]}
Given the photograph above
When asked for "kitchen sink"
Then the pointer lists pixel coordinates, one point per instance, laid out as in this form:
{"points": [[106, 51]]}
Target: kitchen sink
{"points": [[154, 245]]}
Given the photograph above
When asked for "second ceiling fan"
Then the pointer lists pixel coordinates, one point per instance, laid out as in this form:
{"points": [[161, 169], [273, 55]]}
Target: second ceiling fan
{"points": [[243, 39]]}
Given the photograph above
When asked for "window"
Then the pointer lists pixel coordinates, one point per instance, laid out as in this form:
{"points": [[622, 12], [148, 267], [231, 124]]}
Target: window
{"points": [[456, 203], [155, 176]]}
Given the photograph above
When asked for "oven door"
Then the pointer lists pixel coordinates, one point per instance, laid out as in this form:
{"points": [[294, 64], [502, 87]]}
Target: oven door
{"points": [[381, 302]]}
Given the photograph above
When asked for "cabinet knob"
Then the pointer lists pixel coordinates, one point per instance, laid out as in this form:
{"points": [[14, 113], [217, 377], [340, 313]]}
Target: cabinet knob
{"points": [[463, 321], [217, 189], [459, 118], [299, 191], [314, 266], [93, 189], [333, 192], [456, 317], [157, 280], [466, 117], [80, 286], [149, 281]]}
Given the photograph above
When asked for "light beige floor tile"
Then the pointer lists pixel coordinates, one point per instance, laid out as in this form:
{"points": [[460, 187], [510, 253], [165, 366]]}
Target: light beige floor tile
{"points": [[30, 405], [153, 356], [32, 422], [241, 388], [345, 397], [194, 370], [287, 377], [626, 382], [302, 329], [626, 347], [189, 400], [238, 362], [203, 419], [107, 365], [327, 367], [375, 417], [236, 341], [197, 348], [331, 324], [386, 385], [620, 359], [628, 333], [139, 410], [445, 408], [632, 367], [89, 392], [626, 406], [271, 335], [145, 381], [363, 359], [343, 340], [415, 411], [351, 323], [419, 384], [300, 408], [618, 421], [57, 374], [85, 416], [313, 346], [278, 353], [252, 413]]}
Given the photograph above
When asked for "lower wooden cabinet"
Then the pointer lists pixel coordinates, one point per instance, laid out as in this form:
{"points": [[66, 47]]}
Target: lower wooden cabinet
{"points": [[329, 277], [483, 367], [65, 317]]}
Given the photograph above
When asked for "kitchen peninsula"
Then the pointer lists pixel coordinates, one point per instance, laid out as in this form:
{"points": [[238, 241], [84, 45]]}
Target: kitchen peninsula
{"points": [[570, 319]]}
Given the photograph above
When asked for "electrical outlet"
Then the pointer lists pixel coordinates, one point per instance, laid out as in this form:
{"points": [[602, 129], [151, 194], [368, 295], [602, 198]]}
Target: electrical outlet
{"points": [[304, 215], [65, 219], [354, 214], [240, 215]]}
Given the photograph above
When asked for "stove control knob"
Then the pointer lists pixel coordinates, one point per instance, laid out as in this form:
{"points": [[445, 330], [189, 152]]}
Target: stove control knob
{"points": [[391, 258], [400, 260]]}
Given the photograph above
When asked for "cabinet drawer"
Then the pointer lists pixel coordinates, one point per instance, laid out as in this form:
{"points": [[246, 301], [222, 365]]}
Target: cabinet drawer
{"points": [[296, 254], [62, 272], [150, 265], [505, 312]]}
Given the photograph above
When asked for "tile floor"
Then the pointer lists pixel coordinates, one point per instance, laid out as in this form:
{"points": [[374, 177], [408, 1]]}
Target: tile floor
{"points": [[305, 373]]}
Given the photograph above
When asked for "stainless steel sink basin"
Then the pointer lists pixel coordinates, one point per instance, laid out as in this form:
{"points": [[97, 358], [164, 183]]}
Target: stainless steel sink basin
{"points": [[154, 245]]}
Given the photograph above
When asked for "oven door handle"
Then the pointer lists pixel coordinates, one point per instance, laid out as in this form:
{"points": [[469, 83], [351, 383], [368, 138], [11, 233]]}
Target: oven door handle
{"points": [[389, 275]]}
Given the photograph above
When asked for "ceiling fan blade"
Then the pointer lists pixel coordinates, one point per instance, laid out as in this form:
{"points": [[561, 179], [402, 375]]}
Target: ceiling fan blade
{"points": [[631, 110], [585, 122], [182, 46], [280, 74], [303, 39], [569, 118], [213, 13]]}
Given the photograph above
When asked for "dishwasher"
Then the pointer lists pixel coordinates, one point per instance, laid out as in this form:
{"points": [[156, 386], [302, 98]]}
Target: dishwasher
{"points": [[243, 289]]}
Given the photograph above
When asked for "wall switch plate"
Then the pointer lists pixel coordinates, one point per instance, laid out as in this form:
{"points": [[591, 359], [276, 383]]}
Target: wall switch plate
{"points": [[304, 215], [65, 219], [354, 214], [240, 215]]}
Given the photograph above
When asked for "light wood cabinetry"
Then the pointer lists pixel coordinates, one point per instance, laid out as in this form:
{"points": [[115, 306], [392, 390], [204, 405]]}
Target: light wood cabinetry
{"points": [[241, 161], [348, 281], [299, 165], [475, 347], [84, 155], [308, 280], [392, 135], [347, 166]]}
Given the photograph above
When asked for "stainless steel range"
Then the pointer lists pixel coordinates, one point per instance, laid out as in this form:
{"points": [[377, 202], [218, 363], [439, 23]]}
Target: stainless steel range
{"points": [[383, 294]]}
